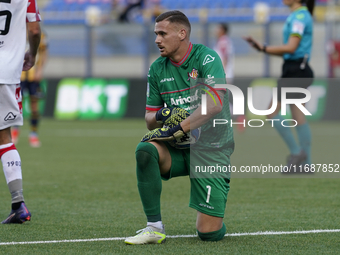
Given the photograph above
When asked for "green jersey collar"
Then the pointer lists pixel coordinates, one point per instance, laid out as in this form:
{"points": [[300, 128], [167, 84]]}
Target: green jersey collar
{"points": [[184, 58]]}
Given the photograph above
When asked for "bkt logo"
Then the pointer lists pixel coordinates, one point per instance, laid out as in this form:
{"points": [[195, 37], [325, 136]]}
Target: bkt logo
{"points": [[238, 100]]}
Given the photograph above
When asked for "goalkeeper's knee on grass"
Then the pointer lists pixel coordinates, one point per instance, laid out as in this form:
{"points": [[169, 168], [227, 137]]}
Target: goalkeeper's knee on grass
{"points": [[214, 235]]}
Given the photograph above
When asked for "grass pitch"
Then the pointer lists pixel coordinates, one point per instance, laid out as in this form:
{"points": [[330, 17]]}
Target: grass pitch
{"points": [[81, 184]]}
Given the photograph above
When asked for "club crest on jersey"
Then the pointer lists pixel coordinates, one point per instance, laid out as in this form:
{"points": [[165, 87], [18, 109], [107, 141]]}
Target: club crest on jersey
{"points": [[193, 74]]}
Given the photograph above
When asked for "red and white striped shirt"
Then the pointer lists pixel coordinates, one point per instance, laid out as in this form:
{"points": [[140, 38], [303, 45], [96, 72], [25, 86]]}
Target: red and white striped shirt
{"points": [[225, 50], [13, 17]]}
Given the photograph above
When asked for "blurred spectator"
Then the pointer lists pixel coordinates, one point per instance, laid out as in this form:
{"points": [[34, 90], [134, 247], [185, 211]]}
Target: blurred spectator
{"points": [[127, 10], [131, 7], [31, 82], [225, 49], [153, 9]]}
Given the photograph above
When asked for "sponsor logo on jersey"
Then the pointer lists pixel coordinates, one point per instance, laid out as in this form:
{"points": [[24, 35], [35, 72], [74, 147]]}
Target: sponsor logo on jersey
{"points": [[210, 80], [10, 116], [184, 100], [208, 58], [193, 74], [167, 79]]}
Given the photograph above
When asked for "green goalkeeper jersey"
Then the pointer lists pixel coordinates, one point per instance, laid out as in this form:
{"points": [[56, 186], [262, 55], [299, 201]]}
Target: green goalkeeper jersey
{"points": [[178, 85]]}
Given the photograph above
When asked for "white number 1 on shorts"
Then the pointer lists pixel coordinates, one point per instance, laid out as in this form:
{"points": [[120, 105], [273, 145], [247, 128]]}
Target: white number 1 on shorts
{"points": [[208, 194]]}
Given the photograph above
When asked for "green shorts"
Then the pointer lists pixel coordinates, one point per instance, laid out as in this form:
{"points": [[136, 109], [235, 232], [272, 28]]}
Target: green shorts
{"points": [[209, 191]]}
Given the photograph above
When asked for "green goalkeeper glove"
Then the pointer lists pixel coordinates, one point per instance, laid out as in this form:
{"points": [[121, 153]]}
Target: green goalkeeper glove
{"points": [[164, 134], [171, 117]]}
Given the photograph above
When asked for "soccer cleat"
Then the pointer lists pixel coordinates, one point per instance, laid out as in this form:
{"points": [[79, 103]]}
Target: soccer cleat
{"points": [[34, 141], [18, 216], [294, 162], [15, 135], [148, 235]]}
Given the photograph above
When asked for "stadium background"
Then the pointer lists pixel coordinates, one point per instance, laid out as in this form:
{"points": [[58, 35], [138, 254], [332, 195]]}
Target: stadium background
{"points": [[80, 186], [109, 49]]}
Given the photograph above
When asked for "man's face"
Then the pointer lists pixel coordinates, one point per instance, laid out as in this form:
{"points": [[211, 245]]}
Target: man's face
{"points": [[168, 38], [219, 31]]}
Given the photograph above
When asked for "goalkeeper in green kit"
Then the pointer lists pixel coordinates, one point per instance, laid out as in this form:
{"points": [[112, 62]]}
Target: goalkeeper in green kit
{"points": [[163, 152]]}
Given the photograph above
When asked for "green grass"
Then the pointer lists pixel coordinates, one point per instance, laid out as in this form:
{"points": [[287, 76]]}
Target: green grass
{"points": [[81, 184]]}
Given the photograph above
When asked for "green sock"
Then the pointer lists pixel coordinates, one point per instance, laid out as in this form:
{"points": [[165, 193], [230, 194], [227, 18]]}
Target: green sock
{"points": [[213, 236], [305, 138], [149, 180], [287, 135]]}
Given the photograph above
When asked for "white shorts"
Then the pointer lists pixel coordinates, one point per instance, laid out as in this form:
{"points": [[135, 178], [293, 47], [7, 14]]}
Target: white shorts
{"points": [[10, 106]]}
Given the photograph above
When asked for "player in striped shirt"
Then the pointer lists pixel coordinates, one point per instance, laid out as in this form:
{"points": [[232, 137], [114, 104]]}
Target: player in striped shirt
{"points": [[18, 16]]}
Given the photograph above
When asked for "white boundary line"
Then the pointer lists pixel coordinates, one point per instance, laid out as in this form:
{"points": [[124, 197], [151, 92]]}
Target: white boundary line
{"points": [[181, 236]]}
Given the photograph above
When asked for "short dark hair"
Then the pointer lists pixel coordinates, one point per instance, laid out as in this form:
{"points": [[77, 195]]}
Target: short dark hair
{"points": [[310, 5], [225, 27], [175, 17]]}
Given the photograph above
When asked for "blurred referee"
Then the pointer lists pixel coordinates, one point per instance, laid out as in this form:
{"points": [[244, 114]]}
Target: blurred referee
{"points": [[296, 72]]}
